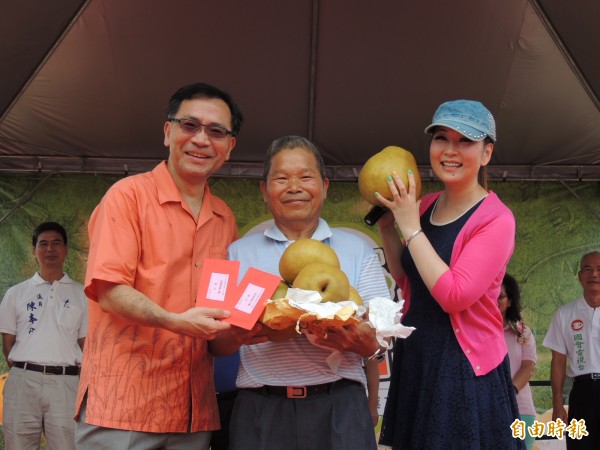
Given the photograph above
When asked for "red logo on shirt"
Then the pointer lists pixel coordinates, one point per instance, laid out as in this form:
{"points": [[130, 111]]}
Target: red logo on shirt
{"points": [[577, 325]]}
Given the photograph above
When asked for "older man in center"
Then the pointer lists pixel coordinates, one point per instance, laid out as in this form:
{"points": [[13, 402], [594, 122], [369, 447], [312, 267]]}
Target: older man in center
{"points": [[334, 414]]}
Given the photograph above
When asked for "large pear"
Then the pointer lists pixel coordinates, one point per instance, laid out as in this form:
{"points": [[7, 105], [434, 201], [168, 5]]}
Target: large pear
{"points": [[355, 296], [373, 176], [327, 280], [280, 291], [302, 252]]}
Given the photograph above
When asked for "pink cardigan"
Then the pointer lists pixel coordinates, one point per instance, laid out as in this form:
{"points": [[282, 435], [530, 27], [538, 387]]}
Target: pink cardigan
{"points": [[469, 290]]}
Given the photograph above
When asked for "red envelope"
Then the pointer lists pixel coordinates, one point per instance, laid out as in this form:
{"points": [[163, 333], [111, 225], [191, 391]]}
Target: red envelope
{"points": [[251, 297], [218, 289], [218, 283]]}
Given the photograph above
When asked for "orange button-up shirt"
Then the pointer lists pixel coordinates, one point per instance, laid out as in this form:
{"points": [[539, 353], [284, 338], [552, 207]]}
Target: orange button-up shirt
{"points": [[142, 234]]}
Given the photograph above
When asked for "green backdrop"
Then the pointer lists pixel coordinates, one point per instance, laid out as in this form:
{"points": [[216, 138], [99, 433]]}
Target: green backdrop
{"points": [[556, 223]]}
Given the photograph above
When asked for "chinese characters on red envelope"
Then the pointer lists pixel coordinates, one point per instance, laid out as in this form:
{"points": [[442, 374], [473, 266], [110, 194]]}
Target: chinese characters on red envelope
{"points": [[218, 288]]}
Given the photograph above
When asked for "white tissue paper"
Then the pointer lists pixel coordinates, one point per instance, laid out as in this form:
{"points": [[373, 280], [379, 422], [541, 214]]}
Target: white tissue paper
{"points": [[301, 296], [383, 314]]}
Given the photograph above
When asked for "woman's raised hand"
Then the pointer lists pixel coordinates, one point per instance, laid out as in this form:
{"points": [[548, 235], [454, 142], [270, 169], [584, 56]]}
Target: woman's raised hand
{"points": [[404, 204]]}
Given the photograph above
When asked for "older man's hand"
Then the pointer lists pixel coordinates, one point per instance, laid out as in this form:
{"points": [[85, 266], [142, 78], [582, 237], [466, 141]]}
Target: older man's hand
{"points": [[357, 338]]}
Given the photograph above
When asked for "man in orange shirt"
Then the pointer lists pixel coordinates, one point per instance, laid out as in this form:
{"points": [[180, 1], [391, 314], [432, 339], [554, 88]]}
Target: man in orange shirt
{"points": [[147, 375]]}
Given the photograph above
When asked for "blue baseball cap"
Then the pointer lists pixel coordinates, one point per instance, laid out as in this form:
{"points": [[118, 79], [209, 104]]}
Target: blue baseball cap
{"points": [[470, 118]]}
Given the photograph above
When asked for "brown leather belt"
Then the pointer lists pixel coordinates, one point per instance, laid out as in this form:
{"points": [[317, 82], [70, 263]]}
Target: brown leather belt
{"points": [[51, 370], [302, 391]]}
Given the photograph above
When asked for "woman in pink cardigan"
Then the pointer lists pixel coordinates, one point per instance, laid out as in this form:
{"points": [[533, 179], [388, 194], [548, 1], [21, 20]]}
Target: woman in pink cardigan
{"points": [[451, 386]]}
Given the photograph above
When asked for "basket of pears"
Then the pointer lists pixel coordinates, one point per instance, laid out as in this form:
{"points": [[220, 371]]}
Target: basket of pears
{"points": [[312, 268]]}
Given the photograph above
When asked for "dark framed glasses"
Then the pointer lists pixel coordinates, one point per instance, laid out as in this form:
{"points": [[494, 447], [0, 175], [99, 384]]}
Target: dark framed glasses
{"points": [[190, 126]]}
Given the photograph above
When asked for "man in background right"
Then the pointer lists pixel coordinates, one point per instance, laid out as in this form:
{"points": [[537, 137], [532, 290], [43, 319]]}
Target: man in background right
{"points": [[574, 336]]}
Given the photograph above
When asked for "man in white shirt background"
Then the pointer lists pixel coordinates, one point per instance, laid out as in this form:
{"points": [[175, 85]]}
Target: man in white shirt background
{"points": [[43, 321], [574, 336]]}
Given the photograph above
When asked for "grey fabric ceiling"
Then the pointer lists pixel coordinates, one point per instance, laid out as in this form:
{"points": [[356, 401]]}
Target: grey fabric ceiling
{"points": [[84, 84]]}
